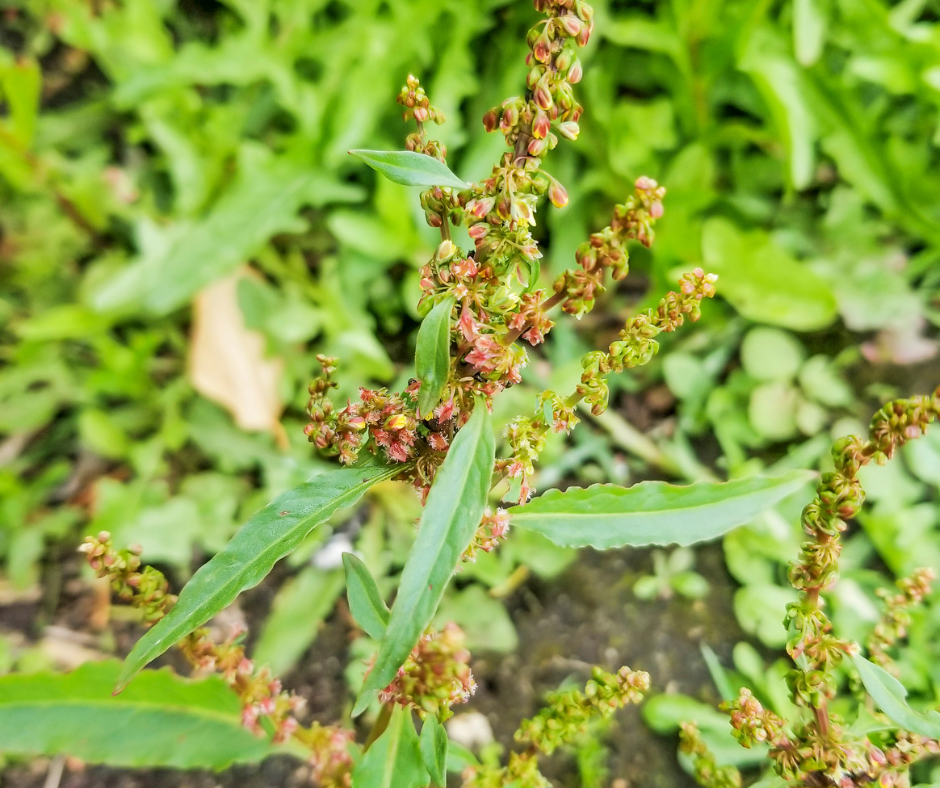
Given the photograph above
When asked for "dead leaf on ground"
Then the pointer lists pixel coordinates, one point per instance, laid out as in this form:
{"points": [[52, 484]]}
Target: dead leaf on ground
{"points": [[227, 362]]}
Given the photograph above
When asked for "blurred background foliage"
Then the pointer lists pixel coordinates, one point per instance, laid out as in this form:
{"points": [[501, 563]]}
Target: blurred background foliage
{"points": [[181, 231]]}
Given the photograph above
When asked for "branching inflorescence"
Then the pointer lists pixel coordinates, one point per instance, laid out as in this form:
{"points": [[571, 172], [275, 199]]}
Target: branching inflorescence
{"points": [[496, 309], [496, 301], [821, 749]]}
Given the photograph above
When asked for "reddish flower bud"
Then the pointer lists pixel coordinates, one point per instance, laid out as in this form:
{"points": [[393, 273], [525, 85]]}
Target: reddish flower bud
{"points": [[571, 24], [542, 50], [491, 120], [656, 209], [478, 230], [645, 184], [510, 118], [421, 114], [575, 72], [558, 195], [569, 130], [537, 147], [480, 208], [541, 125], [542, 95]]}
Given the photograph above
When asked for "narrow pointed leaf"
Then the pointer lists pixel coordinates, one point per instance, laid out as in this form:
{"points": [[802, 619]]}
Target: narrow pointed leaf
{"points": [[267, 537], [432, 359], [365, 601], [163, 720], [394, 759], [652, 513], [891, 697], [410, 168], [434, 750], [450, 519]]}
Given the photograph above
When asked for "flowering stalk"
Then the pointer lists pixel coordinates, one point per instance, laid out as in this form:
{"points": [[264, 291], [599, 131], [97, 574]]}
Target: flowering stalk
{"points": [[822, 750], [565, 717], [264, 702], [493, 286]]}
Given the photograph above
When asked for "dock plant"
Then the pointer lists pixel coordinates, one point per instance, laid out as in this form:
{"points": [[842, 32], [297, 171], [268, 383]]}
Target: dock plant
{"points": [[484, 309]]}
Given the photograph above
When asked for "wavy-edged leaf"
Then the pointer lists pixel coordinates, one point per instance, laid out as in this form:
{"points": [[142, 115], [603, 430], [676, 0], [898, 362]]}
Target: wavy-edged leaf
{"points": [[432, 357], [450, 519], [410, 168], [605, 515], [434, 749], [365, 601], [297, 612], [267, 537], [891, 697], [394, 759], [163, 720]]}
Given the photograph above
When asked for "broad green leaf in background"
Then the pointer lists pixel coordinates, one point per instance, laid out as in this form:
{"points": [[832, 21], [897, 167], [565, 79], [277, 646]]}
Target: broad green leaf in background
{"points": [[394, 759], [450, 519], [890, 695], [664, 713], [410, 168], [263, 201], [434, 749], [762, 281], [605, 515], [267, 537], [365, 601], [809, 29], [296, 615], [163, 720], [432, 357]]}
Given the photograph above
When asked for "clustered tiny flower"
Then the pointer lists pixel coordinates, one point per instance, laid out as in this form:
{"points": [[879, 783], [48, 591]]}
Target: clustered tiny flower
{"points": [[435, 676]]}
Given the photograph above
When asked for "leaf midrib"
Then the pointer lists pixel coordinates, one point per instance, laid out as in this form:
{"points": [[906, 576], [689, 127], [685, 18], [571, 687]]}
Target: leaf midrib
{"points": [[113, 705]]}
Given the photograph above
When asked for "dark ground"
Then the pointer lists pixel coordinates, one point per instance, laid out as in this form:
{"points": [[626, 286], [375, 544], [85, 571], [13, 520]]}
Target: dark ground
{"points": [[587, 616]]}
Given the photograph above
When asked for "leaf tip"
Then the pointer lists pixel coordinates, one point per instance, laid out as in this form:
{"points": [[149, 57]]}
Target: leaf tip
{"points": [[363, 701]]}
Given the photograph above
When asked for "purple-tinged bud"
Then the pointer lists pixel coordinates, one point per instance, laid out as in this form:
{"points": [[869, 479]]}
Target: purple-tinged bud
{"points": [[541, 126], [542, 95], [558, 195], [569, 130], [491, 120], [571, 25], [575, 72]]}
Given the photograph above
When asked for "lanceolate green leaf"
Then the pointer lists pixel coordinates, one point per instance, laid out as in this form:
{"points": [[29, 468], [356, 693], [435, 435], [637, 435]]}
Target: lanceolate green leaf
{"points": [[605, 515], [410, 168], [451, 516], [434, 749], [365, 601], [394, 759], [890, 696], [163, 720], [432, 359], [267, 537]]}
